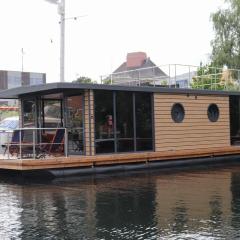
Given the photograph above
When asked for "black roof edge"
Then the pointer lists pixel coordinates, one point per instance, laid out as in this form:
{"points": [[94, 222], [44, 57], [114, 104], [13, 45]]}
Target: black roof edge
{"points": [[20, 92]]}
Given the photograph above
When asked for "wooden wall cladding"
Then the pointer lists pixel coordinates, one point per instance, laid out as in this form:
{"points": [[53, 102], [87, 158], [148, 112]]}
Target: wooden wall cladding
{"points": [[196, 131]]}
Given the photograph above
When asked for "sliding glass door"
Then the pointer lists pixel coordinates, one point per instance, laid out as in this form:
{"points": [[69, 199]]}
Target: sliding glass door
{"points": [[104, 122], [123, 121], [74, 124]]}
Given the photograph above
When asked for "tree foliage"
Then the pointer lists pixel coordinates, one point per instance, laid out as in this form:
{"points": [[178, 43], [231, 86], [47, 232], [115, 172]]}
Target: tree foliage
{"points": [[207, 77], [212, 78], [83, 79], [226, 44], [225, 51]]}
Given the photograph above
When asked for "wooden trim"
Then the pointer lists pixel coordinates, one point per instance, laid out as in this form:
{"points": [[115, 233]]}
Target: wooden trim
{"points": [[99, 160]]}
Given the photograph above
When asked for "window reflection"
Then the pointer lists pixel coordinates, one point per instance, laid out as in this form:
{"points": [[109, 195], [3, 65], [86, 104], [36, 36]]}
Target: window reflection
{"points": [[124, 110], [104, 121], [143, 109], [14, 79], [29, 113], [52, 113], [75, 124]]}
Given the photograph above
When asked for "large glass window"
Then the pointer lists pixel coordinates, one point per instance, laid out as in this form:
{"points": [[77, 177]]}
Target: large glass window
{"points": [[124, 120], [75, 124], [104, 122], [29, 113], [143, 110], [52, 113], [132, 128], [14, 79], [36, 78]]}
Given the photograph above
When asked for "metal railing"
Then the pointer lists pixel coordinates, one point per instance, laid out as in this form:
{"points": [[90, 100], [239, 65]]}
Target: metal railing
{"points": [[177, 76], [34, 143]]}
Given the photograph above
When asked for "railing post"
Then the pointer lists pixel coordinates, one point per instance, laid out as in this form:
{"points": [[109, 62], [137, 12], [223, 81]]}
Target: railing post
{"points": [[34, 144], [175, 77], [66, 143], [139, 82], [215, 79], [8, 147], [189, 76], [169, 73], [111, 79], [211, 83], [20, 141]]}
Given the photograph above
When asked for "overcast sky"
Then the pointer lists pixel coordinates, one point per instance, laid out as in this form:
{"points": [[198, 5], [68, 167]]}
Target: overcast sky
{"points": [[169, 31]]}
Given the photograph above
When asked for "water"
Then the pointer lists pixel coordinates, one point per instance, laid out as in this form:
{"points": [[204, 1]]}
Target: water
{"points": [[187, 203]]}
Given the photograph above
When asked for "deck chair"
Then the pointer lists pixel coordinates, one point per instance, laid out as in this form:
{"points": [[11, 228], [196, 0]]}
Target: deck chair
{"points": [[13, 146], [55, 147]]}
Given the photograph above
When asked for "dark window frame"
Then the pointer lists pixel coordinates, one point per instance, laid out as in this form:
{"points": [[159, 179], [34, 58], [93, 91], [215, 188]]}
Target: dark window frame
{"points": [[66, 117], [115, 138], [36, 113], [112, 139], [213, 112], [178, 107]]}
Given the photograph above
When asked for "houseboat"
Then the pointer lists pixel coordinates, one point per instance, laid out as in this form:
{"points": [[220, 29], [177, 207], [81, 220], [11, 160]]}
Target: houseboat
{"points": [[76, 128]]}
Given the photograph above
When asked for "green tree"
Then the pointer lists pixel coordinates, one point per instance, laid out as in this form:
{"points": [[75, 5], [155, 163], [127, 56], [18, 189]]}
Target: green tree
{"points": [[83, 79], [226, 44]]}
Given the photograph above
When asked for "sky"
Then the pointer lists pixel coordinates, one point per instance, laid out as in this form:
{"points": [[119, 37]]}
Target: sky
{"points": [[169, 31]]}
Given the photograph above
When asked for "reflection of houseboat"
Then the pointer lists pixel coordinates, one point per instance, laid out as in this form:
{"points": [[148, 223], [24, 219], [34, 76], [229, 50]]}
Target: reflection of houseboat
{"points": [[123, 127]]}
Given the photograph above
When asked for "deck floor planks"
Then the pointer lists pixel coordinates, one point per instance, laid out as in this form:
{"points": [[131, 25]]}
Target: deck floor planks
{"points": [[108, 159]]}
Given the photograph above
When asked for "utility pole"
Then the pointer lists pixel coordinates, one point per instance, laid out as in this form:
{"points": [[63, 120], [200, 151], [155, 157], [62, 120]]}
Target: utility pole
{"points": [[22, 57], [61, 12]]}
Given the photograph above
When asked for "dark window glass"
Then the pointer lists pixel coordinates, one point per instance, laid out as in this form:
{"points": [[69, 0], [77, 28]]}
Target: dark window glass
{"points": [[177, 113], [29, 113], [125, 111], [104, 122], [213, 112], [234, 104], [124, 117], [143, 110]]}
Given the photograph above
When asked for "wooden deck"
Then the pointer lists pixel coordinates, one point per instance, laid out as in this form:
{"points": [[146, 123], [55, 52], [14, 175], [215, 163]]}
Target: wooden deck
{"points": [[101, 160]]}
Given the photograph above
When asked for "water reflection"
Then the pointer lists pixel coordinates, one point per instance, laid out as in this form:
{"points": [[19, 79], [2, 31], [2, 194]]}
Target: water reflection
{"points": [[185, 204]]}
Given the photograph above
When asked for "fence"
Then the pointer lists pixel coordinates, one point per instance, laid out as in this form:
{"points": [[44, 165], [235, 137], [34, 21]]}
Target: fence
{"points": [[34, 143], [177, 76]]}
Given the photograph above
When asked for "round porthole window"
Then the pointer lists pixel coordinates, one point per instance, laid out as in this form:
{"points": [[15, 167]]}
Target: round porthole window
{"points": [[177, 112], [213, 112]]}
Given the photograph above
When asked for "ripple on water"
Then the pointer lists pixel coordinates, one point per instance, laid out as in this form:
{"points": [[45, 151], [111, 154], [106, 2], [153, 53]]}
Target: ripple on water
{"points": [[194, 203]]}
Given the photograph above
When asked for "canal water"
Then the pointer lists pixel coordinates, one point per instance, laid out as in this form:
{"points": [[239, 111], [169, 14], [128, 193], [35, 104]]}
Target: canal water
{"points": [[186, 203]]}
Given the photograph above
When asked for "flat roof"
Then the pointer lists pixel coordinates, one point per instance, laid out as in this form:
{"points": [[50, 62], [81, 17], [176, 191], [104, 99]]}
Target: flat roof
{"points": [[50, 88]]}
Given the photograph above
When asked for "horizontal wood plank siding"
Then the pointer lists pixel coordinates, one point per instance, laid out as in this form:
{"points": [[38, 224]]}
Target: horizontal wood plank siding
{"points": [[196, 131]]}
